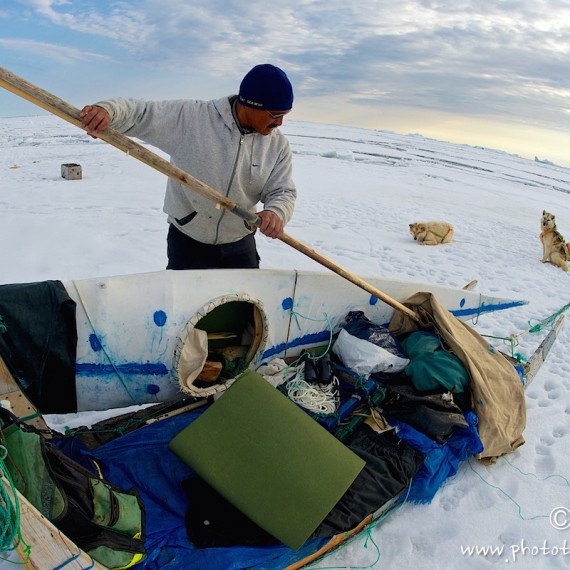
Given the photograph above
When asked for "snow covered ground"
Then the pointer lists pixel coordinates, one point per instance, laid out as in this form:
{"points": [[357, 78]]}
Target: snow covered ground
{"points": [[358, 191]]}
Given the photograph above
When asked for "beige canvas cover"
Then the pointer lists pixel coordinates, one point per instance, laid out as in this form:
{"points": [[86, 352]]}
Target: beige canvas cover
{"points": [[192, 356], [496, 390]]}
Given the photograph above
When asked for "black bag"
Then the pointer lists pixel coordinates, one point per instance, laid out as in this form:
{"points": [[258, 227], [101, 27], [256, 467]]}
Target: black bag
{"points": [[212, 521], [391, 464], [430, 413]]}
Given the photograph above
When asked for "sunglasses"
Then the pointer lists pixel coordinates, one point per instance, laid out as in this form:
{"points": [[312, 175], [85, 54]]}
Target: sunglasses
{"points": [[275, 116]]}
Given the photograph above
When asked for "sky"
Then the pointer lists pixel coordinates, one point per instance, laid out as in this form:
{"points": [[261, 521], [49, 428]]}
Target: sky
{"points": [[493, 74], [111, 223]]}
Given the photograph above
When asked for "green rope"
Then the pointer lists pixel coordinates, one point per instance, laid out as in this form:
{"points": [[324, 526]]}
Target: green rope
{"points": [[33, 416], [523, 516], [548, 321], [3, 327], [121, 430], [10, 531], [513, 341], [389, 512], [535, 476], [290, 373], [325, 319], [359, 382]]}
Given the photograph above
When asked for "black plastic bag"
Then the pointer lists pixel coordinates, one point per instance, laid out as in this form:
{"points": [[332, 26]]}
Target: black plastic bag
{"points": [[360, 326]]}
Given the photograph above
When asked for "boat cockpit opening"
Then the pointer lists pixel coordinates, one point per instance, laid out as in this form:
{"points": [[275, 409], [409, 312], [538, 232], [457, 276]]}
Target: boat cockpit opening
{"points": [[218, 343]]}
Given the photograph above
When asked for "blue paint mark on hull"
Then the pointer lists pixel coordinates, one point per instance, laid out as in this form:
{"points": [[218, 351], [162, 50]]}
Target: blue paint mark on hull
{"points": [[159, 318], [95, 343], [324, 336], [473, 312], [160, 369], [128, 369], [314, 338]]}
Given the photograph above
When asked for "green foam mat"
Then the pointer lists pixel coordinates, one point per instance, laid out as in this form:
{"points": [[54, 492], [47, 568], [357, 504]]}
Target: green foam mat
{"points": [[269, 459]]}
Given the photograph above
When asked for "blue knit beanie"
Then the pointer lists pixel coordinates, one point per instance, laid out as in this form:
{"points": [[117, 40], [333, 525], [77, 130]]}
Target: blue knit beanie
{"points": [[266, 87]]}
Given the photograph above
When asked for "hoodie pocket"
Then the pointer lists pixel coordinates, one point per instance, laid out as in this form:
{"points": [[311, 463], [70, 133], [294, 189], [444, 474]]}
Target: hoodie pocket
{"points": [[186, 219]]}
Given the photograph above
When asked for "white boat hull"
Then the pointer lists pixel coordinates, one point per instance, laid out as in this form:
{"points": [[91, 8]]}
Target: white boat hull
{"points": [[128, 325]]}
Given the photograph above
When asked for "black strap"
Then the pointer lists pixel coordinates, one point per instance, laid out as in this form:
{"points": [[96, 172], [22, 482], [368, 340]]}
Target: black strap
{"points": [[8, 418]]}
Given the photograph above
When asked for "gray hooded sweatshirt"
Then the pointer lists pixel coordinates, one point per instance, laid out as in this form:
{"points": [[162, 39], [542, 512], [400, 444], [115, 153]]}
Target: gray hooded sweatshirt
{"points": [[203, 139]]}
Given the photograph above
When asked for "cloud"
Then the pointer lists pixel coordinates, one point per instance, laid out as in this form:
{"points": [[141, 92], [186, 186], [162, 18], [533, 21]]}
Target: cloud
{"points": [[122, 23], [508, 58], [58, 53]]}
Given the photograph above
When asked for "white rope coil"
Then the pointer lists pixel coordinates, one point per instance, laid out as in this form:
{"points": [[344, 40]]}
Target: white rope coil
{"points": [[317, 398]]}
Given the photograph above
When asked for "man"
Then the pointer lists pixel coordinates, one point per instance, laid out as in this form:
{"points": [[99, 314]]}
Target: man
{"points": [[231, 144]]}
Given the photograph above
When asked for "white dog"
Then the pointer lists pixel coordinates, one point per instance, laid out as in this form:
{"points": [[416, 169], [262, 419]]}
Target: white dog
{"points": [[432, 233]]}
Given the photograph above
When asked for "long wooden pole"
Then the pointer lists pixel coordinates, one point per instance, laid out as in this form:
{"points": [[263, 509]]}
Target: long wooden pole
{"points": [[57, 106]]}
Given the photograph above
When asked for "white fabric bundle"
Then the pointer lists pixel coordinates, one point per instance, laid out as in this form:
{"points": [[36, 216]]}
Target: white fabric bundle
{"points": [[365, 358]]}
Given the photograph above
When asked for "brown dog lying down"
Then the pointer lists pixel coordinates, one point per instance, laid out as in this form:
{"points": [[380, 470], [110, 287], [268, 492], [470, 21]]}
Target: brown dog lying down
{"points": [[555, 250], [432, 233]]}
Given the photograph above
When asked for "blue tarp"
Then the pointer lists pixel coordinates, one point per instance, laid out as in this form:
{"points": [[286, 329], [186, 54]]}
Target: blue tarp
{"points": [[142, 459], [441, 460]]}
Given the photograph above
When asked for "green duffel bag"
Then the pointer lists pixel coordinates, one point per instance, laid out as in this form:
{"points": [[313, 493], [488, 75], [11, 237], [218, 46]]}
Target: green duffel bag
{"points": [[103, 520]]}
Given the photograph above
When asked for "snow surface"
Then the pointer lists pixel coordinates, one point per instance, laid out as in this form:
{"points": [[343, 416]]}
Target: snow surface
{"points": [[358, 191]]}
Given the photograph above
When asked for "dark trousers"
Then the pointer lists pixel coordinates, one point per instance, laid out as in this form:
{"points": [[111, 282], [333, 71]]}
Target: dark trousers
{"points": [[187, 253]]}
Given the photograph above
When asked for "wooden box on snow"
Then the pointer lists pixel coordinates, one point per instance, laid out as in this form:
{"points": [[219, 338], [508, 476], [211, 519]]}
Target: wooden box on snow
{"points": [[71, 171]]}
